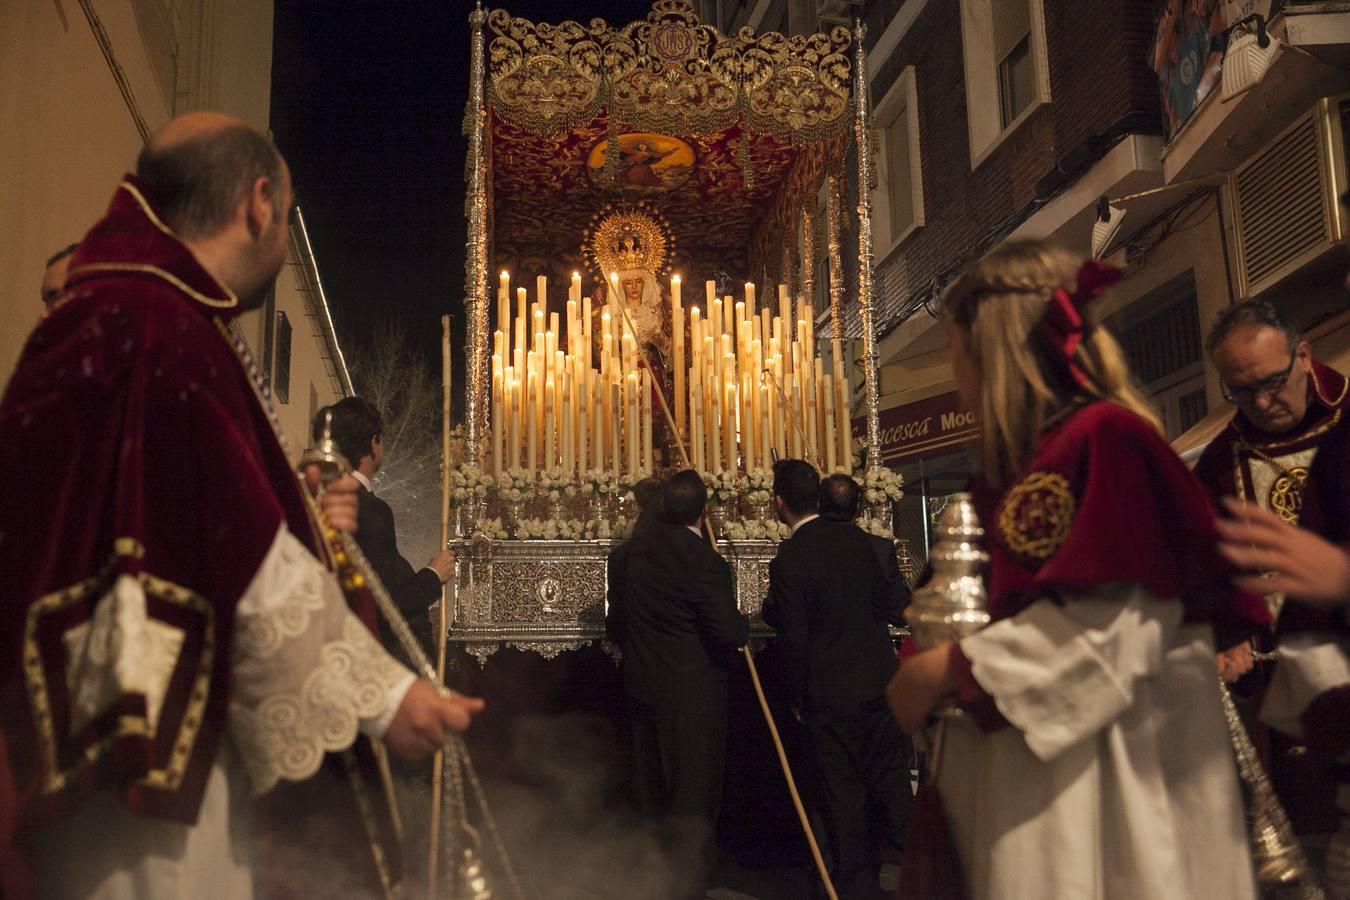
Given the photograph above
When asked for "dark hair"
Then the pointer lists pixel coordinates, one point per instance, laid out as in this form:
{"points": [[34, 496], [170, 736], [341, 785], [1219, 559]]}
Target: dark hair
{"points": [[839, 496], [1249, 312], [356, 422], [197, 183], [683, 497], [60, 255], [798, 483], [647, 493]]}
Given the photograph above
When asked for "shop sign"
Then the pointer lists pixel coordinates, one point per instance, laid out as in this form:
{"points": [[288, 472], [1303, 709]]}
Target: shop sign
{"points": [[921, 429]]}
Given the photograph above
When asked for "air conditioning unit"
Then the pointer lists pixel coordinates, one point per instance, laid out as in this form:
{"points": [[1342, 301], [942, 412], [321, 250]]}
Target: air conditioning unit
{"points": [[1285, 208]]}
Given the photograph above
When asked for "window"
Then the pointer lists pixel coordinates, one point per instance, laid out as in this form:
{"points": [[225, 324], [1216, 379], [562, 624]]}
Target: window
{"points": [[1006, 68], [1160, 335], [281, 375], [1011, 20], [898, 198]]}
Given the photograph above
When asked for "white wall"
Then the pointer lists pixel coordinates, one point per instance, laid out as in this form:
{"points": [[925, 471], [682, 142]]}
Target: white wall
{"points": [[67, 135]]}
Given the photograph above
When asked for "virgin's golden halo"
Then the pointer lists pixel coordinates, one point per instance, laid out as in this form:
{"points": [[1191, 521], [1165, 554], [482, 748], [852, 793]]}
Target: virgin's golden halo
{"points": [[628, 237]]}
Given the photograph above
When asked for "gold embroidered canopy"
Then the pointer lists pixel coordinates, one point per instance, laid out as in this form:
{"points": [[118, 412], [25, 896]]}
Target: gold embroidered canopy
{"points": [[667, 73], [708, 128]]}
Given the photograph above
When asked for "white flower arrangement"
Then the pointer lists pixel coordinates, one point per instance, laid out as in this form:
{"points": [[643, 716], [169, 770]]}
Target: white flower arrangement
{"points": [[607, 530], [723, 487], [514, 485], [756, 531], [492, 529], [552, 482], [881, 485], [600, 483], [468, 481], [758, 485]]}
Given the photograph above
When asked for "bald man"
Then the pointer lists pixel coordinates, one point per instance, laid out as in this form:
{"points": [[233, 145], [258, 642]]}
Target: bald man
{"points": [[172, 639]]}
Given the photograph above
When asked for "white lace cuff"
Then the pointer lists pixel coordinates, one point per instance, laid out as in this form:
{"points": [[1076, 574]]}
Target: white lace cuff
{"points": [[376, 726], [307, 673]]}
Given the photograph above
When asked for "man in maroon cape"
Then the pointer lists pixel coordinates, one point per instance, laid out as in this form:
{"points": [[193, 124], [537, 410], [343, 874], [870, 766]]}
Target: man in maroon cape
{"points": [[1290, 410], [173, 636]]}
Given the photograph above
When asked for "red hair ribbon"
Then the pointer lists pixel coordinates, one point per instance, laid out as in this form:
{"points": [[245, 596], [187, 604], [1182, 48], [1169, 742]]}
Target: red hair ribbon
{"points": [[1063, 322]]}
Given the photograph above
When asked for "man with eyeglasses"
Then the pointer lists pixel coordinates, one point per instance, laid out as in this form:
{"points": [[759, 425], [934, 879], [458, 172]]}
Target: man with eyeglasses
{"points": [[1290, 409]]}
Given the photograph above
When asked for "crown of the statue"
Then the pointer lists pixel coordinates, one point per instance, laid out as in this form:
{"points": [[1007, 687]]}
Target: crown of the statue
{"points": [[629, 253], [621, 240]]}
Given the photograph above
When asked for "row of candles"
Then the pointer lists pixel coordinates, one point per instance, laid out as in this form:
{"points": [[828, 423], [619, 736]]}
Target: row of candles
{"points": [[748, 385]]}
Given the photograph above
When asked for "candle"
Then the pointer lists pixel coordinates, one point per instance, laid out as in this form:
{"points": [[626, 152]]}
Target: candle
{"points": [[750, 297], [728, 309], [715, 315], [696, 419], [606, 345], [550, 404], [631, 432], [675, 290], [586, 331], [531, 427], [646, 417], [513, 426], [715, 428], [504, 304], [599, 415], [729, 424], [497, 402], [677, 350], [766, 427], [541, 291], [576, 287], [616, 432], [831, 446], [709, 293]]}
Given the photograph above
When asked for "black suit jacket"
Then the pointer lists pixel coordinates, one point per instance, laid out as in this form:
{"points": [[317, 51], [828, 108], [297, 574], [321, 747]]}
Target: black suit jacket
{"points": [[830, 602], [616, 576], [412, 591], [677, 619]]}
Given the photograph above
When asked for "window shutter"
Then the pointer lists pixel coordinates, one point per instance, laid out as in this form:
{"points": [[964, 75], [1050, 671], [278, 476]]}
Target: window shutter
{"points": [[1012, 22]]}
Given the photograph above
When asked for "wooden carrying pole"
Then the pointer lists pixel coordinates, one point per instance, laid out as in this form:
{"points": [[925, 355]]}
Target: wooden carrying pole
{"points": [[438, 761], [745, 650]]}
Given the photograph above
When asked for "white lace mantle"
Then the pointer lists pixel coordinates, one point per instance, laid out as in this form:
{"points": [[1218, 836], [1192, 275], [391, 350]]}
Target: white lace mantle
{"points": [[307, 673]]}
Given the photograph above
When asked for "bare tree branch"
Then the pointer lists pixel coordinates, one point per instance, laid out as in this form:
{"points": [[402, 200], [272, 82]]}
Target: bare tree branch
{"points": [[389, 373]]}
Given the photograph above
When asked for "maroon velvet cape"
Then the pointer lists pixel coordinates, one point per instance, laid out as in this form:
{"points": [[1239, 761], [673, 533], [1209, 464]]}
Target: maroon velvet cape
{"points": [[134, 443], [1224, 463], [1326, 511], [1103, 500], [1299, 769]]}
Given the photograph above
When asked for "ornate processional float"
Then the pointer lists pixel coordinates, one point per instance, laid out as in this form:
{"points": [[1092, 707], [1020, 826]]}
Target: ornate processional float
{"points": [[641, 292]]}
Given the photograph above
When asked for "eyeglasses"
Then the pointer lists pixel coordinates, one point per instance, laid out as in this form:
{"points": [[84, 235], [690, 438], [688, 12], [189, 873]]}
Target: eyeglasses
{"points": [[1263, 388]]}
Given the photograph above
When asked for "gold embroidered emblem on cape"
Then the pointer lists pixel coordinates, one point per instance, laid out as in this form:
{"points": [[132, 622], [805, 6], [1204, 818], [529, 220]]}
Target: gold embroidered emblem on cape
{"points": [[1035, 515]]}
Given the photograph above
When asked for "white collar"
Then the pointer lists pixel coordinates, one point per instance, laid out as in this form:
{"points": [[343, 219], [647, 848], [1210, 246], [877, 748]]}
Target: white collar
{"points": [[802, 521], [694, 529], [365, 482]]}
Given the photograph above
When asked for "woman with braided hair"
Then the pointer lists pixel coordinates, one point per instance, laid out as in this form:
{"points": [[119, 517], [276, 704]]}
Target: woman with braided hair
{"points": [[1093, 759]]}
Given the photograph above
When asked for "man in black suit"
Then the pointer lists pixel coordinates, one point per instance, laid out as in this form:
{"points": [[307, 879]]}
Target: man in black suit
{"points": [[830, 602], [681, 628], [647, 496], [839, 499], [357, 430]]}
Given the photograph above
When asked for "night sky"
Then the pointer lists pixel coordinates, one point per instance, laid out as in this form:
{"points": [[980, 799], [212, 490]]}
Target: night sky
{"points": [[367, 106]]}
